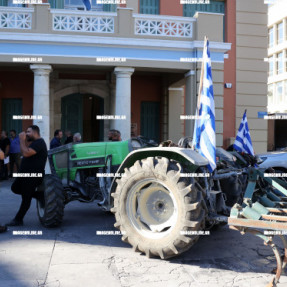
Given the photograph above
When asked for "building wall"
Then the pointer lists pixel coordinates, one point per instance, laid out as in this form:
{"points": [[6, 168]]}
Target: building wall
{"points": [[229, 113], [171, 8], [217, 78], [277, 14], [144, 88], [211, 25], [175, 109], [251, 70], [17, 85]]}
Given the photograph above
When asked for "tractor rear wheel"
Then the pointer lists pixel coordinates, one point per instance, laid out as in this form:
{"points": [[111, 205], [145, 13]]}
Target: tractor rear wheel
{"points": [[158, 212], [50, 208]]}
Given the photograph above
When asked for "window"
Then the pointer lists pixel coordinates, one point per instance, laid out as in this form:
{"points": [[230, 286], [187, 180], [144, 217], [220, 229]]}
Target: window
{"points": [[271, 66], [280, 64], [280, 36], [271, 37], [285, 91], [279, 93], [149, 7], [10, 3], [215, 6], [79, 5], [57, 4], [270, 94]]}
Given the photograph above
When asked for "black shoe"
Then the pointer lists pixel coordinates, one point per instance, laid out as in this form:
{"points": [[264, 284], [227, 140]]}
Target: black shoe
{"points": [[3, 228], [15, 222]]}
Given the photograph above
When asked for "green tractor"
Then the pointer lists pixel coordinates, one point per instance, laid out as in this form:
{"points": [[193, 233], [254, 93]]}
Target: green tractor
{"points": [[164, 198], [157, 205]]}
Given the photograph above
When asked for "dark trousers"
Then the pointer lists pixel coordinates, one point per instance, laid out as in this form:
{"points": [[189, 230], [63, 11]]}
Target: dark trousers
{"points": [[26, 188], [3, 170], [15, 159]]}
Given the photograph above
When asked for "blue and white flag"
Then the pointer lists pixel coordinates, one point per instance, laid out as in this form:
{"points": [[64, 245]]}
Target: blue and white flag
{"points": [[243, 141], [204, 127], [87, 4]]}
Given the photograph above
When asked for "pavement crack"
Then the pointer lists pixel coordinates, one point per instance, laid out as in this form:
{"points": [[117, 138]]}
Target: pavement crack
{"points": [[50, 260]]}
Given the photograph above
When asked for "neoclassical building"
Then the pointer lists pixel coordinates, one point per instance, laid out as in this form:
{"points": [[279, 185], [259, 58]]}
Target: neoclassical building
{"points": [[139, 62]]}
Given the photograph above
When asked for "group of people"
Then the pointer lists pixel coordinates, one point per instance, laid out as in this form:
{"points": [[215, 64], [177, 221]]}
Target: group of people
{"points": [[33, 150], [34, 156], [12, 154], [58, 135]]}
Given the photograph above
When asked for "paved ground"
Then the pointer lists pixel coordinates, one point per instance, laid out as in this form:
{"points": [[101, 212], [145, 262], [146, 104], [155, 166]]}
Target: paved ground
{"points": [[74, 255]]}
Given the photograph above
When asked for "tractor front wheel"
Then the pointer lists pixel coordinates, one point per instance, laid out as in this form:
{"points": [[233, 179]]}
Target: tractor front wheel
{"points": [[158, 211], [50, 208]]}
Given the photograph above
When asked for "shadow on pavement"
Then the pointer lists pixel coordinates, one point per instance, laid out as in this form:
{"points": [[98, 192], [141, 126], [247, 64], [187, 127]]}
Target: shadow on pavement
{"points": [[223, 249]]}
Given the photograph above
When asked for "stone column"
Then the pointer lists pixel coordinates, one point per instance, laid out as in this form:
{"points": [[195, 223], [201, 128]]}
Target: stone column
{"points": [[41, 106], [190, 101], [176, 105], [123, 100]]}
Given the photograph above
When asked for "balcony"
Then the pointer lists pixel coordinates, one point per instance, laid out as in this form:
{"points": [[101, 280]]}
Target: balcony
{"points": [[93, 23], [79, 37]]}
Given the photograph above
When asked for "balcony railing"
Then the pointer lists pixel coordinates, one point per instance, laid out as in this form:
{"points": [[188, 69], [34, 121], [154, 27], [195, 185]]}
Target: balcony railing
{"points": [[123, 23], [16, 18], [75, 21], [167, 26]]}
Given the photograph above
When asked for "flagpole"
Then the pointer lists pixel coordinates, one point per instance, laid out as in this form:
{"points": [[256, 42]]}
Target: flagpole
{"points": [[200, 86], [201, 75], [204, 136]]}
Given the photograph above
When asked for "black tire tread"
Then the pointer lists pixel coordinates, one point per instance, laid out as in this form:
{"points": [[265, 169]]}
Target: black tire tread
{"points": [[194, 218], [54, 201]]}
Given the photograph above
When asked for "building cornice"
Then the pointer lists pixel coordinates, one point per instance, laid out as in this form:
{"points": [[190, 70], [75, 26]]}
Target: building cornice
{"points": [[111, 41]]}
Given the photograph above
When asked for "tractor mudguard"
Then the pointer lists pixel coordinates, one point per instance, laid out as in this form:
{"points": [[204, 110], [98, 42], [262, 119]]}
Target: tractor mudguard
{"points": [[188, 157]]}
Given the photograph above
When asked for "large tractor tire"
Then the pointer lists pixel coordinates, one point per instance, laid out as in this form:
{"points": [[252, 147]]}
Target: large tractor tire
{"points": [[50, 208], [158, 211]]}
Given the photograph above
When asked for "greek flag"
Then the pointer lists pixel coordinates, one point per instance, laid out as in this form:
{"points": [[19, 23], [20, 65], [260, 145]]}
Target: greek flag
{"points": [[243, 141], [87, 4], [204, 127]]}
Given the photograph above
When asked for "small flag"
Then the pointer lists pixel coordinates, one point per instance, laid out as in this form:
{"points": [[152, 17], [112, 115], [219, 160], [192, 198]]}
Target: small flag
{"points": [[204, 126], [87, 4], [243, 141]]}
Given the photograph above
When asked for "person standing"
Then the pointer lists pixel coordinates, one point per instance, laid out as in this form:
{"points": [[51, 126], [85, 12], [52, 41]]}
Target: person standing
{"points": [[56, 141], [34, 151], [15, 152], [5, 146], [69, 137], [114, 135], [77, 138]]}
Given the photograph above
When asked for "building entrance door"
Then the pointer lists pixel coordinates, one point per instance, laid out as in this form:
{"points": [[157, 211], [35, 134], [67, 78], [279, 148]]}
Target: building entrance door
{"points": [[10, 108], [79, 114]]}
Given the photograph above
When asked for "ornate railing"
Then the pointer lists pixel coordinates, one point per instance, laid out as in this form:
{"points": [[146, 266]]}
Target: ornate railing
{"points": [[166, 26], [16, 18], [98, 22], [71, 21]]}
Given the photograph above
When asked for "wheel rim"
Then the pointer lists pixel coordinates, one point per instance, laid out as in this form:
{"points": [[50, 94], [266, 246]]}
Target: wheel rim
{"points": [[41, 208], [152, 208]]}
